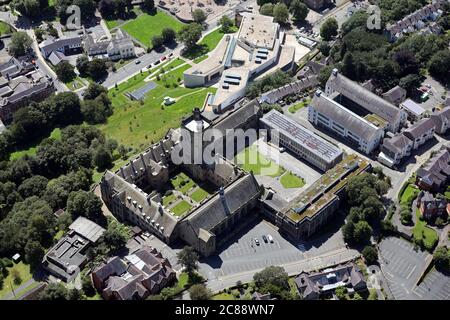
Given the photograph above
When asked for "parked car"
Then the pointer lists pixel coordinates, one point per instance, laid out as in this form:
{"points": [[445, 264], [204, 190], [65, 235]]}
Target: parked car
{"points": [[270, 238], [137, 61], [171, 54], [257, 241], [264, 238], [163, 58]]}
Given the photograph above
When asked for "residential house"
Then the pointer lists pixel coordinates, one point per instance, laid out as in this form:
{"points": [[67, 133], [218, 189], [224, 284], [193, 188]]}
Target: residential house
{"points": [[394, 149], [431, 207], [395, 95], [441, 120], [135, 277], [420, 132], [414, 111], [434, 175], [312, 286]]}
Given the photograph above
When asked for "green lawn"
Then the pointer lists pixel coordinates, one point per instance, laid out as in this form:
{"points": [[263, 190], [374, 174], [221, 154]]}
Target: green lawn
{"points": [[168, 199], [212, 39], [137, 124], [294, 108], [31, 151], [181, 208], [409, 192], [200, 59], [421, 231], [251, 160], [188, 186], [223, 296], [112, 23], [4, 28], [145, 26], [199, 194], [75, 84], [24, 274], [290, 180]]}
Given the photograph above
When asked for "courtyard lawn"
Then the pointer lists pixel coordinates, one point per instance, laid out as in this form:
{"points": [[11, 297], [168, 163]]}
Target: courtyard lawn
{"points": [[145, 26], [199, 195], [294, 108], [24, 274], [76, 84], [112, 23], [168, 199], [137, 124], [410, 191], [4, 28], [212, 39], [31, 151], [188, 186], [180, 208], [424, 233], [290, 180], [251, 160], [200, 59]]}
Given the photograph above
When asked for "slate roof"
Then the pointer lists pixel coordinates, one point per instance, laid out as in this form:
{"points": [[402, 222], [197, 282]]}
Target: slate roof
{"points": [[54, 44], [365, 98], [419, 128], [437, 169], [397, 143], [441, 116], [394, 94], [87, 228], [344, 117]]}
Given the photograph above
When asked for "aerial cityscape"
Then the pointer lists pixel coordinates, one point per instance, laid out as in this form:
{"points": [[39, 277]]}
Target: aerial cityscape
{"points": [[225, 150]]}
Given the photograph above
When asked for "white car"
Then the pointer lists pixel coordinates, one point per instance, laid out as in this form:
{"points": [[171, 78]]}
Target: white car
{"points": [[270, 238]]}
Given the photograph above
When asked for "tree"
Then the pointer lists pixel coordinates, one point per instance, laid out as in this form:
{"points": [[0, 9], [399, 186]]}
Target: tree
{"points": [[362, 232], [34, 186], [20, 44], [299, 10], [82, 65], [94, 90], [441, 258], [65, 71], [199, 16], [54, 291], [370, 254], [280, 13], [324, 75], [86, 285], [149, 5], [83, 203], [348, 65], [266, 9], [169, 35], [102, 158], [324, 48], [356, 296], [34, 252], [226, 24], [199, 292], [356, 20], [347, 231], [341, 293], [329, 29], [190, 34], [116, 235], [97, 110], [188, 258], [440, 65], [274, 276], [28, 8], [157, 41], [98, 69], [410, 83]]}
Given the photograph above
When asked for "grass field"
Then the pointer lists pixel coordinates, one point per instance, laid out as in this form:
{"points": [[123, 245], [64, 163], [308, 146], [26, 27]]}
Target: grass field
{"points": [[145, 26], [251, 160], [200, 59], [294, 108], [31, 151], [112, 23], [180, 208], [138, 124], [421, 231], [75, 84], [410, 191], [199, 194], [4, 28], [290, 180], [24, 274], [223, 296]]}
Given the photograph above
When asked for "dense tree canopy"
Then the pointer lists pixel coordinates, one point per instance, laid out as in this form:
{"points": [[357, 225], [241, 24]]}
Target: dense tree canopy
{"points": [[190, 34], [188, 258], [299, 10], [329, 29], [20, 44]]}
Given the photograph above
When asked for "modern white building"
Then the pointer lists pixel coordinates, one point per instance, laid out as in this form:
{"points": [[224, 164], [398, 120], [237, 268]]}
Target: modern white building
{"points": [[305, 144], [342, 89], [327, 113], [257, 48]]}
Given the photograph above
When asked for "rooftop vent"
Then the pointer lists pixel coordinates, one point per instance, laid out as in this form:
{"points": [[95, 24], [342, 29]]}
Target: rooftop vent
{"points": [[153, 221], [134, 203], [157, 225], [140, 207], [129, 199]]}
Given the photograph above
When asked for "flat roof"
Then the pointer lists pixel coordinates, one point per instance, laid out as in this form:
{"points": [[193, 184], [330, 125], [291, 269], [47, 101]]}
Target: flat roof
{"points": [[412, 107], [258, 30], [298, 133], [86, 228]]}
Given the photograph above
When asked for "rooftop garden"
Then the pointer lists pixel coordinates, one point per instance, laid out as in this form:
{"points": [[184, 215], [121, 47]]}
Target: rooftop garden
{"points": [[290, 180]]}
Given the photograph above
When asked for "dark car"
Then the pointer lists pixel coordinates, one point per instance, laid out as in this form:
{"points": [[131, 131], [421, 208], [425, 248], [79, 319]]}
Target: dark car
{"points": [[264, 238]]}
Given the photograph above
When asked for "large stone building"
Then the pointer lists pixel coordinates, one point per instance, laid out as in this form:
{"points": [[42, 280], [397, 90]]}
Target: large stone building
{"points": [[137, 191], [307, 145], [21, 84], [63, 45], [257, 48], [120, 46], [327, 113]]}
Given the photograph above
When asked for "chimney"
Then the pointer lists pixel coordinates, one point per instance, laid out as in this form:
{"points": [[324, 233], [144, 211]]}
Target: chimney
{"points": [[197, 114], [122, 173], [143, 162]]}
